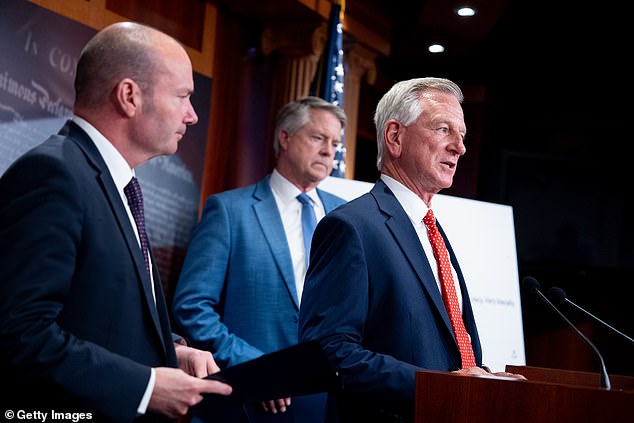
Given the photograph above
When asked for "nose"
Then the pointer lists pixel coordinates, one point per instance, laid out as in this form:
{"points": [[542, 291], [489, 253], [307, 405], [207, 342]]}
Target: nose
{"points": [[328, 149], [191, 118], [458, 146]]}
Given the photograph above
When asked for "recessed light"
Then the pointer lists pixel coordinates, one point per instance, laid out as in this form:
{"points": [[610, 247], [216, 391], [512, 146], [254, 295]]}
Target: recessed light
{"points": [[465, 11], [436, 48]]}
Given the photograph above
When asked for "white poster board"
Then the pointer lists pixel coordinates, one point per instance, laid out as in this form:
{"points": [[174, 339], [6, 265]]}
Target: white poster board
{"points": [[483, 237]]}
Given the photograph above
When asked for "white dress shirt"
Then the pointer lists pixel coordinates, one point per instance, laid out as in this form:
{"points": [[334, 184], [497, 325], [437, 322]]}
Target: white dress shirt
{"points": [[290, 210], [416, 209]]}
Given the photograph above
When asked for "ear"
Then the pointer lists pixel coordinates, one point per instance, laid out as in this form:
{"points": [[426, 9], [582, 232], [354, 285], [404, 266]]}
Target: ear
{"points": [[391, 135], [284, 137], [127, 97]]}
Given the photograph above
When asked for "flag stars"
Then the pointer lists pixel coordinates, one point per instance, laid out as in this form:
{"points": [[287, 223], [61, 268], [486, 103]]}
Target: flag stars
{"points": [[339, 70], [329, 81]]}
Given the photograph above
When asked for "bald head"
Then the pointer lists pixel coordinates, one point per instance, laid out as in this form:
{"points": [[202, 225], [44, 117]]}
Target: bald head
{"points": [[121, 50]]}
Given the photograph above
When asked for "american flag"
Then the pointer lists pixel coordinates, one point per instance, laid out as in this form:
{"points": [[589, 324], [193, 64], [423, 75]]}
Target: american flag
{"points": [[328, 81]]}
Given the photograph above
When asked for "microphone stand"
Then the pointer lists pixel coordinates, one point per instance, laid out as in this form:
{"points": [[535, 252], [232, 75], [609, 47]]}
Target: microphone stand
{"points": [[559, 295], [532, 285]]}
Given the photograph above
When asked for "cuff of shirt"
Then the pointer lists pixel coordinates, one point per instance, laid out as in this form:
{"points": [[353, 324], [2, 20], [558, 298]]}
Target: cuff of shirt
{"points": [[148, 393]]}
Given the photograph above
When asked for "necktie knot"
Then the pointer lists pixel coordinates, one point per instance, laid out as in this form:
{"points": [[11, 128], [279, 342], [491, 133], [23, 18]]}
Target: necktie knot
{"points": [[304, 199], [134, 195], [429, 220]]}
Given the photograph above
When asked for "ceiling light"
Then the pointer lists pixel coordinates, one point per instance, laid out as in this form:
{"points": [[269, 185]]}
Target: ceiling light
{"points": [[465, 11], [436, 48]]}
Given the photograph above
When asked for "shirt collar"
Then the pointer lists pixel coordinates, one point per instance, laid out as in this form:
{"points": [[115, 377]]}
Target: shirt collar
{"points": [[117, 165], [414, 206], [286, 190]]}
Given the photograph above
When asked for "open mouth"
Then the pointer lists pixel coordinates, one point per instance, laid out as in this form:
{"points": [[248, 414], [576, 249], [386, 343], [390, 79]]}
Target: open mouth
{"points": [[450, 165]]}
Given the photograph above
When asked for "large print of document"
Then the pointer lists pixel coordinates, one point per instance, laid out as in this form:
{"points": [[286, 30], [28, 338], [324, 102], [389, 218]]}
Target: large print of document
{"points": [[39, 51]]}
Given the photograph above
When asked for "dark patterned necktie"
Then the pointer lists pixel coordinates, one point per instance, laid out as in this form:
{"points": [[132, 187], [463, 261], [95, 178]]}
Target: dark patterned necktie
{"points": [[135, 201], [449, 296]]}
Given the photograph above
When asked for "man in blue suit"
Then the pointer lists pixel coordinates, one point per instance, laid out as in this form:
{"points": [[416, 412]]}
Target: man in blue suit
{"points": [[240, 288], [84, 327], [373, 295]]}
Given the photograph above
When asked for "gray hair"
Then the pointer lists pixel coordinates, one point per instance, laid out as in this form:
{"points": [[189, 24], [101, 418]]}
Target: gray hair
{"points": [[123, 50], [402, 103], [296, 114]]}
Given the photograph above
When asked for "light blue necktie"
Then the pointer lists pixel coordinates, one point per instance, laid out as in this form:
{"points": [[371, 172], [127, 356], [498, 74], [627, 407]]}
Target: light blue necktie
{"points": [[309, 222]]}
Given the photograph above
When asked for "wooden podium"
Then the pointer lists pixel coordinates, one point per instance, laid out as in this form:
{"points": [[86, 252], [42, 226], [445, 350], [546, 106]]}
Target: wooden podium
{"points": [[549, 395]]}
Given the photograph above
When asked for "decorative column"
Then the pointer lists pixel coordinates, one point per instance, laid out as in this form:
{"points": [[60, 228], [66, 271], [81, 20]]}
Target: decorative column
{"points": [[360, 61], [297, 49]]}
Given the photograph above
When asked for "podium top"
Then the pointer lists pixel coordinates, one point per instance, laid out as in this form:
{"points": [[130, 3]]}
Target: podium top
{"points": [[485, 399], [571, 377]]}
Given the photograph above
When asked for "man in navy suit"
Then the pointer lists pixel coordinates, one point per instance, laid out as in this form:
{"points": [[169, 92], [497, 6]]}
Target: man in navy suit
{"points": [[84, 326], [372, 294], [240, 288]]}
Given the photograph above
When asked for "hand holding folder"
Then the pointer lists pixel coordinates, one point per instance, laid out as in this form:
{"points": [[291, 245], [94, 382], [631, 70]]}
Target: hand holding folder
{"points": [[297, 370]]}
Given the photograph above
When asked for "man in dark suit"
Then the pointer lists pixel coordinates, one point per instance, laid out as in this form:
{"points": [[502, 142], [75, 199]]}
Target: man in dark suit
{"points": [[83, 321], [373, 294], [239, 292]]}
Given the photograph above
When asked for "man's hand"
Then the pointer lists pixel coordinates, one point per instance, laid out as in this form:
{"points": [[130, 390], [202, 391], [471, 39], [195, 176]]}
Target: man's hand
{"points": [[478, 371], [273, 406], [195, 362], [175, 391]]}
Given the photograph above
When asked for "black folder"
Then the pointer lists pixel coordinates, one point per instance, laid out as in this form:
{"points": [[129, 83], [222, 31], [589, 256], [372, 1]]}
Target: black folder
{"points": [[297, 370]]}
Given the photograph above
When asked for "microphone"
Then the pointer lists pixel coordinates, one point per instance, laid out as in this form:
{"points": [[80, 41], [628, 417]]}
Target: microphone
{"points": [[531, 285], [559, 296]]}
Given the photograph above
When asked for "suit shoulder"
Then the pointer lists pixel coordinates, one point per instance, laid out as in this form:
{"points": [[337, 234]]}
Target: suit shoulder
{"points": [[236, 197], [56, 154], [331, 198], [237, 192], [358, 208]]}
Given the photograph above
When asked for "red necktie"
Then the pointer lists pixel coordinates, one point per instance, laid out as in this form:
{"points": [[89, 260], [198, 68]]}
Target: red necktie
{"points": [[449, 291]]}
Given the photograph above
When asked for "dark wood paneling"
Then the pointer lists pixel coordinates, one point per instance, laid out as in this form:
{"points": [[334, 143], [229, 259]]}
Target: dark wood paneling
{"points": [[183, 19]]}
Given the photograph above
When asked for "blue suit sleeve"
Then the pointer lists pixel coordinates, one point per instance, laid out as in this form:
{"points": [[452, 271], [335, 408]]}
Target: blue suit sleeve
{"points": [[197, 303]]}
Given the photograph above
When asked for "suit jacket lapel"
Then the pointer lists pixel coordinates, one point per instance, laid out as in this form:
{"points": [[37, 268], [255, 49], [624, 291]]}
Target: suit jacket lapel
{"points": [[271, 225], [121, 216], [329, 202], [398, 224], [161, 310]]}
